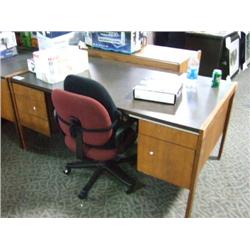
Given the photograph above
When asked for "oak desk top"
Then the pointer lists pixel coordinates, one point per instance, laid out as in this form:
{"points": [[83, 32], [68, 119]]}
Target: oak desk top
{"points": [[190, 113], [15, 64]]}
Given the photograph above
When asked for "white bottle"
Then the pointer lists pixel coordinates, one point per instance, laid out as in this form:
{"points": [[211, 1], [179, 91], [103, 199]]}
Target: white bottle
{"points": [[192, 71]]}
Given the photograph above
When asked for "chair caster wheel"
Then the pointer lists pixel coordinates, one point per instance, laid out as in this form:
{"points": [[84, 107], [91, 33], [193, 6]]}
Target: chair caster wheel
{"points": [[83, 195], [130, 189], [67, 171], [134, 187]]}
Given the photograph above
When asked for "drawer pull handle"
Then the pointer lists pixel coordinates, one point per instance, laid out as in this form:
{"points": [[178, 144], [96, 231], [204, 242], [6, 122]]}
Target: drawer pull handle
{"points": [[34, 107], [151, 153]]}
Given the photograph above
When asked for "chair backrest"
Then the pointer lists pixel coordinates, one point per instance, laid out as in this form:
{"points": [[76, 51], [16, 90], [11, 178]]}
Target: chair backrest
{"points": [[88, 87], [90, 112]]}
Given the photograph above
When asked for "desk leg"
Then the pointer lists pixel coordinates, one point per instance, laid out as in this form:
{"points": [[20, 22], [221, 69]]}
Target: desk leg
{"points": [[194, 176], [192, 189], [190, 201], [17, 119], [225, 127]]}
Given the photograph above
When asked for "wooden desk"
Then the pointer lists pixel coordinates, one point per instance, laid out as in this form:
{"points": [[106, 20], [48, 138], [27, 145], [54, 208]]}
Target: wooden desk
{"points": [[19, 110], [10, 67], [158, 57], [174, 141]]}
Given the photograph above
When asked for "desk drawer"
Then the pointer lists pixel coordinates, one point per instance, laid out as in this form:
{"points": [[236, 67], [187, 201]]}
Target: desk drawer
{"points": [[168, 134], [32, 108], [166, 161], [30, 101]]}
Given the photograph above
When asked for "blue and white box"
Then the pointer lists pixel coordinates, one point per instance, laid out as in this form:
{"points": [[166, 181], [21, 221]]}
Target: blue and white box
{"points": [[124, 42]]}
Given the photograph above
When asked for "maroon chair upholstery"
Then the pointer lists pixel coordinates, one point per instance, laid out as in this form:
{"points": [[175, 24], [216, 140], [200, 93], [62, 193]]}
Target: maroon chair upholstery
{"points": [[90, 130]]}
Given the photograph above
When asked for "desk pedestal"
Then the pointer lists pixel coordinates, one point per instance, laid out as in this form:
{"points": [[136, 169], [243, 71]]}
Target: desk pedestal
{"points": [[177, 156]]}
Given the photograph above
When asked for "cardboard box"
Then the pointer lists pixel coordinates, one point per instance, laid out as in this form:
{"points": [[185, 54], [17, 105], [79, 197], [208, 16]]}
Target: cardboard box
{"points": [[47, 40], [54, 64], [124, 42]]}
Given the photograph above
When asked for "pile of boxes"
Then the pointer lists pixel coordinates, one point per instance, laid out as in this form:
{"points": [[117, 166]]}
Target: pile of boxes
{"points": [[58, 53], [7, 44], [55, 58]]}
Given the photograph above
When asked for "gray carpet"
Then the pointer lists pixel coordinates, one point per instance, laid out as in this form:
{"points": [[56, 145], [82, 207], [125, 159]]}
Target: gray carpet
{"points": [[33, 185]]}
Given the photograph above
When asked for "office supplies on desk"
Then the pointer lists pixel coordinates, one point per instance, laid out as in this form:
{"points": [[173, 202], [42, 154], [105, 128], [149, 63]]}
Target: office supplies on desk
{"points": [[163, 91]]}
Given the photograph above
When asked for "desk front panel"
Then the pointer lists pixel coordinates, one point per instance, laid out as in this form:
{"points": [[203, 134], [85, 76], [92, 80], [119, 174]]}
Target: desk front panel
{"points": [[213, 131]]}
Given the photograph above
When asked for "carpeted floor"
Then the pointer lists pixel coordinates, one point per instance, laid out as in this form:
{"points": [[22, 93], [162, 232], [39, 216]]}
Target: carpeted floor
{"points": [[33, 185]]}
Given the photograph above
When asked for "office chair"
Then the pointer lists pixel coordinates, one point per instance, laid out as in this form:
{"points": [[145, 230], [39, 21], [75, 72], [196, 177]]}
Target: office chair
{"points": [[94, 129]]}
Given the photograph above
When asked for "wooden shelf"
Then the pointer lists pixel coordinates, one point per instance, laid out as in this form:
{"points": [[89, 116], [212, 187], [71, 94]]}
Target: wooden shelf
{"points": [[159, 57]]}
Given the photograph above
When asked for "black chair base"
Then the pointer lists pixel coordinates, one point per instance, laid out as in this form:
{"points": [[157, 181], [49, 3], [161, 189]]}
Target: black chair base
{"points": [[111, 167], [79, 165]]}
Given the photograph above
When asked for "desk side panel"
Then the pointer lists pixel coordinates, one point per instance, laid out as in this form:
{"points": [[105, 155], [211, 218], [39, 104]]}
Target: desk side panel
{"points": [[213, 132], [7, 111]]}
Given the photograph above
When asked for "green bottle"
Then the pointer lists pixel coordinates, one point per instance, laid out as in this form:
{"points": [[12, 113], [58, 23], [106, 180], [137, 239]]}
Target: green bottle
{"points": [[216, 77]]}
